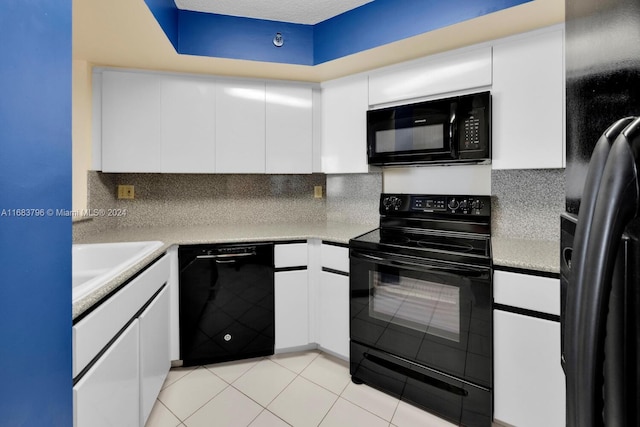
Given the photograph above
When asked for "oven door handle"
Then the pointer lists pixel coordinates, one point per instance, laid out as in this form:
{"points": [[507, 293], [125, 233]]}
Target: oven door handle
{"points": [[466, 270]]}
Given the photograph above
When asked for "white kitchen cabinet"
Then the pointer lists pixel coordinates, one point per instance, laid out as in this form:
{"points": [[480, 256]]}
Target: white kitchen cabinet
{"points": [[291, 296], [333, 301], [131, 117], [107, 362], [334, 314], [240, 126], [291, 308], [155, 360], [344, 125], [107, 395], [528, 101], [188, 125], [289, 128], [529, 388], [434, 75]]}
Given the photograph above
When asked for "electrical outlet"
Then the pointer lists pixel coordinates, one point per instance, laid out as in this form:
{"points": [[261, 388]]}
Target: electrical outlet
{"points": [[317, 191], [125, 192]]}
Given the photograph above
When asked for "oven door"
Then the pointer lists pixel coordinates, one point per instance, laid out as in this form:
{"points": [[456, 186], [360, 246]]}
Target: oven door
{"points": [[432, 313]]}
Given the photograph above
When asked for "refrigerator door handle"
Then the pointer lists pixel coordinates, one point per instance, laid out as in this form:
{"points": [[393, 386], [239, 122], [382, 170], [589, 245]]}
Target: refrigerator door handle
{"points": [[570, 337], [616, 205]]}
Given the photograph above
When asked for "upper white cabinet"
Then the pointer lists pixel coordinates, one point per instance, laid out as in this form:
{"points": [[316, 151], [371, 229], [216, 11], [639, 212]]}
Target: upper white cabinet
{"points": [[131, 117], [289, 132], [431, 76], [188, 125], [344, 125], [240, 127], [528, 101], [155, 122]]}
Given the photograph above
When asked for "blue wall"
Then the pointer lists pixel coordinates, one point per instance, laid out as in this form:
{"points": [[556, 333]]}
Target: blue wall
{"points": [[35, 251], [385, 21], [371, 25], [223, 36]]}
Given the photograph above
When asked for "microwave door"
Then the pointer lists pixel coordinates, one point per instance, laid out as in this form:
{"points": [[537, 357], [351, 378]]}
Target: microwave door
{"points": [[412, 138]]}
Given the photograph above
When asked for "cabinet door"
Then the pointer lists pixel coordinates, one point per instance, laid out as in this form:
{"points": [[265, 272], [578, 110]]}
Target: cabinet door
{"points": [[528, 102], [289, 129], [130, 122], [188, 125], [529, 387], [334, 314], [155, 361], [292, 309], [344, 125], [240, 127], [431, 76], [108, 394]]}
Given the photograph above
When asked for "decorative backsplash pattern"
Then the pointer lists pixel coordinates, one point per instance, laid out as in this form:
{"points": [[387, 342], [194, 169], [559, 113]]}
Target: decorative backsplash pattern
{"points": [[526, 204], [201, 199]]}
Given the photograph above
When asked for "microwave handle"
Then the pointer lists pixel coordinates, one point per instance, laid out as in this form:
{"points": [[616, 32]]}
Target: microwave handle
{"points": [[453, 130]]}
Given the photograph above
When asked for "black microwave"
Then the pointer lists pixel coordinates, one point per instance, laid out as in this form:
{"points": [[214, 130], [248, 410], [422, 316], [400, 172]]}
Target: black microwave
{"points": [[454, 130]]}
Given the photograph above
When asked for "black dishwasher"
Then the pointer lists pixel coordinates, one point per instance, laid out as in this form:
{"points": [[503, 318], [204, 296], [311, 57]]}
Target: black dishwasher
{"points": [[226, 302]]}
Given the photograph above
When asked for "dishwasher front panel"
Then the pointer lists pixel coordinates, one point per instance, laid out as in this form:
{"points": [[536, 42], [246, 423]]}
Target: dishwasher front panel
{"points": [[226, 302]]}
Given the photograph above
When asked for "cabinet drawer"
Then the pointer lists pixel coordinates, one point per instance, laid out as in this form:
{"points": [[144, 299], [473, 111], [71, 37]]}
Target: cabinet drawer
{"points": [[335, 257], [290, 255], [525, 291], [93, 333]]}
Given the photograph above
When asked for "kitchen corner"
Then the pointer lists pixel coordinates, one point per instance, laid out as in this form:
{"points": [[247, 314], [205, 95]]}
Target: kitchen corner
{"points": [[180, 209]]}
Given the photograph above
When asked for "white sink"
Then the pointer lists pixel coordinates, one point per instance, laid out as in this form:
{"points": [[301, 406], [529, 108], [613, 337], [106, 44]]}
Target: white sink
{"points": [[95, 264]]}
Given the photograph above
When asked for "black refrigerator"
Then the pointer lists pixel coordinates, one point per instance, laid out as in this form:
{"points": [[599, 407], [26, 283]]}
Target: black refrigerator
{"points": [[600, 252]]}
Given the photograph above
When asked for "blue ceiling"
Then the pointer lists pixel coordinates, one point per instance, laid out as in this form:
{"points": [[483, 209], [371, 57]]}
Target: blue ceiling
{"points": [[374, 24]]}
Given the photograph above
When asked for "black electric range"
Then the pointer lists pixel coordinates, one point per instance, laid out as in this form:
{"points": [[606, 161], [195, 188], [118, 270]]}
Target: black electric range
{"points": [[420, 304]]}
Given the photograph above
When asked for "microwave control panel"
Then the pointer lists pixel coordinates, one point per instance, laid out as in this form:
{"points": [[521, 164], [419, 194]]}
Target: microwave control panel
{"points": [[472, 131]]}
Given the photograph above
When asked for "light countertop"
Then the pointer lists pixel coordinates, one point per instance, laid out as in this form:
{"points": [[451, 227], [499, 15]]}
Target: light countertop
{"points": [[220, 233], [527, 254]]}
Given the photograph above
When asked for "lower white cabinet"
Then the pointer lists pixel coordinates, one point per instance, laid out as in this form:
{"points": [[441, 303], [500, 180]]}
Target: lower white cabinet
{"points": [[528, 379], [529, 386], [291, 285], [117, 383], [155, 360], [291, 309], [334, 314], [107, 395], [333, 300]]}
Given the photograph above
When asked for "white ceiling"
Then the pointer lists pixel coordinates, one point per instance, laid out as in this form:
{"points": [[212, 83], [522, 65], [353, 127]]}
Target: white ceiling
{"points": [[295, 11]]}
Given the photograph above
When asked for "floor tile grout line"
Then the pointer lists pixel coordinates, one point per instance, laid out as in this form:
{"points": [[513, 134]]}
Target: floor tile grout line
{"points": [[327, 413], [205, 404], [371, 412], [306, 366]]}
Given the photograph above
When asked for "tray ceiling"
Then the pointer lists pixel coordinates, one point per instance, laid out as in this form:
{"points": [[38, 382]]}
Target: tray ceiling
{"points": [[295, 11]]}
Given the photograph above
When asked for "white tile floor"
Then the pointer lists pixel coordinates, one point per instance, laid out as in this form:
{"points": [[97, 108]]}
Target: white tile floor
{"points": [[296, 389]]}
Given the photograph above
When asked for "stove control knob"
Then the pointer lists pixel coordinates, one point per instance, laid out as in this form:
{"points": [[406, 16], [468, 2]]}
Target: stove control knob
{"points": [[391, 203], [464, 205], [477, 204], [453, 204]]}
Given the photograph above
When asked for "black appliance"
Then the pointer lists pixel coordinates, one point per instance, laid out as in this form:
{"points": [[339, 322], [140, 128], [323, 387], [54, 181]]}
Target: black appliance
{"points": [[600, 230], [444, 131], [420, 305], [226, 302]]}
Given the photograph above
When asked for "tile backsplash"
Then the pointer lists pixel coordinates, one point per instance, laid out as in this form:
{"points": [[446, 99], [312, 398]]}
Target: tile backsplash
{"points": [[527, 204], [201, 199]]}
